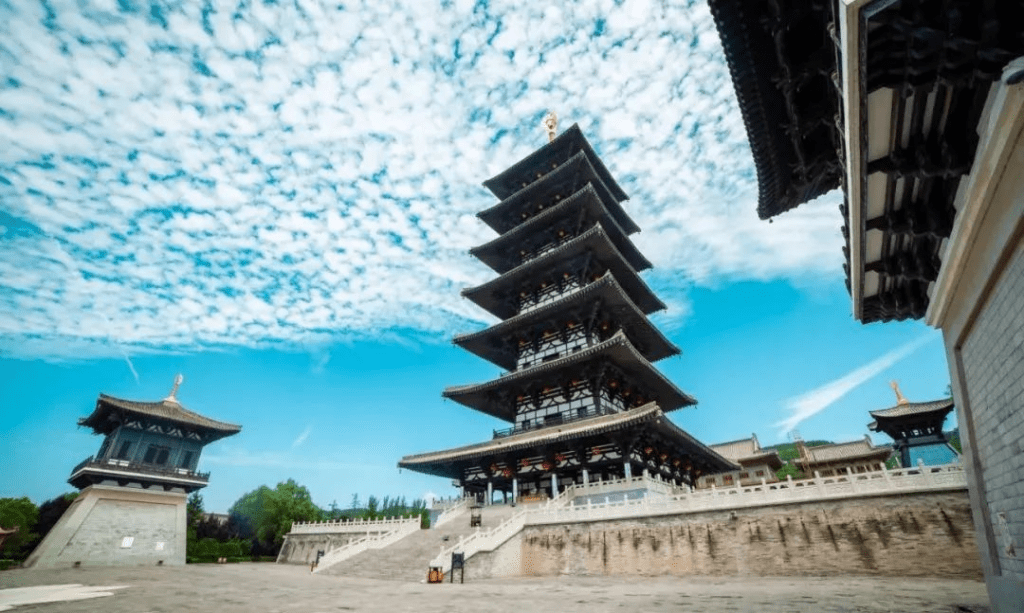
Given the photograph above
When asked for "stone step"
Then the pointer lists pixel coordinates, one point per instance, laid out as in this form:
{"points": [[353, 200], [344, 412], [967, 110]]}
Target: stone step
{"points": [[409, 558]]}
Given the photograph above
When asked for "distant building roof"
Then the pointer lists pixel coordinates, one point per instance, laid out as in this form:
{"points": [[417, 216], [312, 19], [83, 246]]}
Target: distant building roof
{"points": [[839, 453], [104, 417], [747, 452]]}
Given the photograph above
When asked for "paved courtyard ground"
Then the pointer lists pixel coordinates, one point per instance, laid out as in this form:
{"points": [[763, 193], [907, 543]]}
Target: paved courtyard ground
{"points": [[278, 589]]}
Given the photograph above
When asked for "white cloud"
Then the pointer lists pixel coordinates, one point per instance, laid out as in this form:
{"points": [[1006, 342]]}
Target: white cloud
{"points": [[301, 438], [304, 171], [812, 402]]}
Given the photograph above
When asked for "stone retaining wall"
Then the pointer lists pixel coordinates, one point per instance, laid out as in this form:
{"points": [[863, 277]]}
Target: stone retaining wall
{"points": [[909, 535]]}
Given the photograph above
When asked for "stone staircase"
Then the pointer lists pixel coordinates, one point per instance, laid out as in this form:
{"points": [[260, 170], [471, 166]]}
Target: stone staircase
{"points": [[409, 558]]}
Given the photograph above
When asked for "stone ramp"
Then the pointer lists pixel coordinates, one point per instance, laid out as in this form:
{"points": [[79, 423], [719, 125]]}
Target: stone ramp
{"points": [[409, 558]]}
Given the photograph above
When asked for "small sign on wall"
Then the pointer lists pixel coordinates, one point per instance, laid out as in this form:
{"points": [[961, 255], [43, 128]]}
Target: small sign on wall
{"points": [[126, 542], [160, 546]]}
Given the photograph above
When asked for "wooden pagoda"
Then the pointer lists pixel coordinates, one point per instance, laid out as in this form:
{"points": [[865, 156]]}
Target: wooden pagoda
{"points": [[581, 395]]}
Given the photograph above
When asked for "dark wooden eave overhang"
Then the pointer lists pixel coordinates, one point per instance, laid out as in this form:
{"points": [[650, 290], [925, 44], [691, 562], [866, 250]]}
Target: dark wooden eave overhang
{"points": [[497, 344], [564, 146], [499, 295], [584, 207], [450, 463], [781, 58], [547, 191], [904, 88], [110, 412], [492, 397], [916, 77]]}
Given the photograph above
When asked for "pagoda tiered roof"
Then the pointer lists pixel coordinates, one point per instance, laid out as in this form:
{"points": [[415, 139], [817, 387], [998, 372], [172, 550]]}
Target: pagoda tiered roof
{"points": [[500, 295], [563, 147], [497, 344], [583, 208], [493, 397], [833, 453], [110, 412], [451, 462], [549, 190]]}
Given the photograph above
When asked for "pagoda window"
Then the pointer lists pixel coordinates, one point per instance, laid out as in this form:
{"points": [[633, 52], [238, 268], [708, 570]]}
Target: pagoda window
{"points": [[744, 475], [104, 448], [186, 460], [759, 473], [122, 452], [727, 479], [156, 454]]}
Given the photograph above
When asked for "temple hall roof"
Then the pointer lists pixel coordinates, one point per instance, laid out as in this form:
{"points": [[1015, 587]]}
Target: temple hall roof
{"points": [[583, 207], [748, 451], [498, 295], [836, 453], [495, 344], [564, 146], [649, 413], [105, 418], [617, 350]]}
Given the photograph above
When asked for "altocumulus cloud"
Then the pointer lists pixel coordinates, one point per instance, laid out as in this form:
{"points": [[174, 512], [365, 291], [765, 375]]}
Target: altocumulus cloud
{"points": [[201, 174]]}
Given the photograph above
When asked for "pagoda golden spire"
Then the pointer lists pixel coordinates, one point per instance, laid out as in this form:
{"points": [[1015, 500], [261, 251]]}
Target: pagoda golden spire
{"points": [[899, 397], [550, 124], [174, 390]]}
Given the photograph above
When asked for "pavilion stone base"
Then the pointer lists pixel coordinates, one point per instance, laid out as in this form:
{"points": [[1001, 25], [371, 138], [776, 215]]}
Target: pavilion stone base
{"points": [[116, 526], [907, 535]]}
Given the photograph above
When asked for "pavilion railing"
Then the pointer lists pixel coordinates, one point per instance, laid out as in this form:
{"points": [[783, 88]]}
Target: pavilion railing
{"points": [[552, 420], [139, 467]]}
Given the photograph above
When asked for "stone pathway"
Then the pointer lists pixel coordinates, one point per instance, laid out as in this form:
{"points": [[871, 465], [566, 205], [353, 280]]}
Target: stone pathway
{"points": [[12, 597], [276, 588]]}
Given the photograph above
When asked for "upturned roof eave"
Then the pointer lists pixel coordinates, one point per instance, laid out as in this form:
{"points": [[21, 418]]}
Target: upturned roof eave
{"points": [[596, 236], [168, 410], [607, 286], [573, 135], [491, 253], [618, 348], [571, 168]]}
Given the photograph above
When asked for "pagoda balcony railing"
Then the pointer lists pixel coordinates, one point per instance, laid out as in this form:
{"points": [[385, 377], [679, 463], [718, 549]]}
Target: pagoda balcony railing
{"points": [[552, 420], [139, 467]]}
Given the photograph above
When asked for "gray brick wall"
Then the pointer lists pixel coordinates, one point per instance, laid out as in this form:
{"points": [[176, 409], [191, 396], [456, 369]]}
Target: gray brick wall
{"points": [[993, 361]]}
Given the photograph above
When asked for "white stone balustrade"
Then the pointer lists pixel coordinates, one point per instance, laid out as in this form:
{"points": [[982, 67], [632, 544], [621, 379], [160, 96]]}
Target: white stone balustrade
{"points": [[481, 540], [451, 512], [352, 526], [931, 478]]}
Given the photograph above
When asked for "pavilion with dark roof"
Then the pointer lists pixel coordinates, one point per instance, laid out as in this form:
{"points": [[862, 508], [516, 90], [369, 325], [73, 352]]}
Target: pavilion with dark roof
{"points": [[916, 429], [131, 509]]}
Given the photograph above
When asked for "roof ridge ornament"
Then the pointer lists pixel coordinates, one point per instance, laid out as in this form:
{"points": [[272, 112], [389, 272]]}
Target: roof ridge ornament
{"points": [[550, 123], [899, 397], [174, 390]]}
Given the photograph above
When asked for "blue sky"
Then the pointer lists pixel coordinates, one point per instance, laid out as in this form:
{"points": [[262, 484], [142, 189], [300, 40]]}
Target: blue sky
{"points": [[277, 199]]}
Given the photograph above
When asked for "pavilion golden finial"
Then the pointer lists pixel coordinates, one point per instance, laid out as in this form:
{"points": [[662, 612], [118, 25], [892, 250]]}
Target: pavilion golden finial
{"points": [[899, 397], [550, 124], [174, 390]]}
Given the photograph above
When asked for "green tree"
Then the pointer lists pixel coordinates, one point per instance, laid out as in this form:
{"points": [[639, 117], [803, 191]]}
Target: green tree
{"points": [[267, 514], [23, 513]]}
